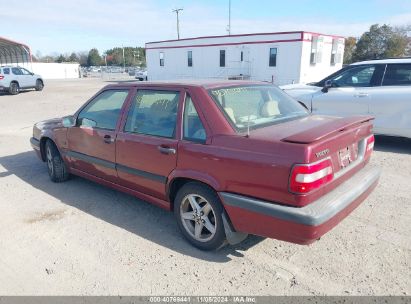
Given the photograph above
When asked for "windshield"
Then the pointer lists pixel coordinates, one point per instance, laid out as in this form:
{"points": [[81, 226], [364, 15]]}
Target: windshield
{"points": [[256, 106]]}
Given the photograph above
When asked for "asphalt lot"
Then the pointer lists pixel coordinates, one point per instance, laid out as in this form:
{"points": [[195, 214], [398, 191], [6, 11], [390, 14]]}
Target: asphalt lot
{"points": [[80, 238]]}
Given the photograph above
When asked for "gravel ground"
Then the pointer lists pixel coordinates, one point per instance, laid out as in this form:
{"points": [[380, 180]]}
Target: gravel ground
{"points": [[79, 238]]}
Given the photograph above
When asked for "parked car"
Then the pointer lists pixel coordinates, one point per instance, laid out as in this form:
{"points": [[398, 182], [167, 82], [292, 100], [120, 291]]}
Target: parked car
{"points": [[14, 79], [381, 88], [141, 75], [230, 158]]}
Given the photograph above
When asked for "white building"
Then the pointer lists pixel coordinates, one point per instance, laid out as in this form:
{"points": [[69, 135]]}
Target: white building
{"points": [[285, 57], [55, 70]]}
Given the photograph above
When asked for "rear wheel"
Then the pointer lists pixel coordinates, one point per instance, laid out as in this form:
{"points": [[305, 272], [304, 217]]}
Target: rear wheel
{"points": [[14, 88], [56, 167], [39, 85], [198, 211]]}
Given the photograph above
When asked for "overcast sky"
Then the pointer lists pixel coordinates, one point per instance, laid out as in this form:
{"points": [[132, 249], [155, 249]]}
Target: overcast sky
{"points": [[55, 26]]}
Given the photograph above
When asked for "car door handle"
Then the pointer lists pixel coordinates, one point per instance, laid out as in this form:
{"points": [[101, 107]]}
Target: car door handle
{"points": [[108, 139], [166, 150], [361, 95]]}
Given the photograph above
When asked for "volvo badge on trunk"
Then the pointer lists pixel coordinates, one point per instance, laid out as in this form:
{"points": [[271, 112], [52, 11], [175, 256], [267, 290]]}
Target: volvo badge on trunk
{"points": [[322, 153]]}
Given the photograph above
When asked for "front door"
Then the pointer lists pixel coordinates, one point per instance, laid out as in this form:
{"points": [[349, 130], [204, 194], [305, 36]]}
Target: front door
{"points": [[30, 80], [147, 143], [92, 141], [350, 92]]}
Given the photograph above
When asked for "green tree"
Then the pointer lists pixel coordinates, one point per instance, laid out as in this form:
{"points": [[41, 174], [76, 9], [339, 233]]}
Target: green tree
{"points": [[133, 56], [73, 57], [349, 48], [94, 58], [381, 42], [61, 59]]}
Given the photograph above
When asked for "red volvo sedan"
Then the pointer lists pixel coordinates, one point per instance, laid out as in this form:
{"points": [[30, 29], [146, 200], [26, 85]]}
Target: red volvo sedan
{"points": [[230, 158]]}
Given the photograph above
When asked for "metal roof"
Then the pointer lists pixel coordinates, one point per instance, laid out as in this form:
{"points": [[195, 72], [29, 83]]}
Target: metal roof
{"points": [[13, 52]]}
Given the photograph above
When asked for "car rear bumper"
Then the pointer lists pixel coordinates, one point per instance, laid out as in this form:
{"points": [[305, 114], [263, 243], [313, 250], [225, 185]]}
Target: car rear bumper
{"points": [[300, 225]]}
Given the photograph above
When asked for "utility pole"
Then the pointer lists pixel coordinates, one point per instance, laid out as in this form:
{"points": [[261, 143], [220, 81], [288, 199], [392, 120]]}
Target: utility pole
{"points": [[229, 17], [177, 10], [124, 61]]}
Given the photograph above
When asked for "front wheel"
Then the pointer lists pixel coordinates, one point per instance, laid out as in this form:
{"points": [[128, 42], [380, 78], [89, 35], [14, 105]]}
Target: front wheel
{"points": [[198, 211], [39, 85], [56, 167]]}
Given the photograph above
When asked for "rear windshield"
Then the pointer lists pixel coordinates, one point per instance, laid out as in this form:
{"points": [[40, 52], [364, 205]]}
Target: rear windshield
{"points": [[256, 106]]}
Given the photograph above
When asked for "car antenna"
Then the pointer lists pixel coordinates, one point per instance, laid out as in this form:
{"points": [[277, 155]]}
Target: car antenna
{"points": [[248, 126]]}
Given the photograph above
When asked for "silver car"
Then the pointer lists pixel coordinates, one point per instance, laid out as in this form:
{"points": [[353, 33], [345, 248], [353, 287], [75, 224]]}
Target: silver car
{"points": [[381, 88]]}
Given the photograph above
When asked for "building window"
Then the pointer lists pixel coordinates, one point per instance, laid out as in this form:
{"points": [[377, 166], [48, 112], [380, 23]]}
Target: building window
{"points": [[242, 56], [222, 58], [273, 57], [336, 51], [316, 49], [161, 58], [190, 58]]}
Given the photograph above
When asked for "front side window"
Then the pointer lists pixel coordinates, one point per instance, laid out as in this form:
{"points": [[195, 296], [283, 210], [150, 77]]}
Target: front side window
{"points": [[222, 58], [190, 58], [153, 112], [273, 57], [397, 75], [104, 110], [256, 106], [25, 72], [356, 77], [161, 58], [192, 125]]}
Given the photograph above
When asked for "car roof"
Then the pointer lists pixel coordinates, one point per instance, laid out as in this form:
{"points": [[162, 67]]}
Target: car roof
{"points": [[385, 61], [206, 84]]}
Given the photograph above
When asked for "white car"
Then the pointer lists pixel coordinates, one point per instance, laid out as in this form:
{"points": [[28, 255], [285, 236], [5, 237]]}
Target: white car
{"points": [[14, 79], [141, 75], [381, 88]]}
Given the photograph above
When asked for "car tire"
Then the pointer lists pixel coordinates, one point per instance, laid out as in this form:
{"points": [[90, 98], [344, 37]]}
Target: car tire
{"points": [[198, 211], [39, 85], [14, 88], [56, 167]]}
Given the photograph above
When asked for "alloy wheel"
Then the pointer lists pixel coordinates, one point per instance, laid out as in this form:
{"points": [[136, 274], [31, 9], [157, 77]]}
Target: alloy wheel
{"points": [[198, 217]]}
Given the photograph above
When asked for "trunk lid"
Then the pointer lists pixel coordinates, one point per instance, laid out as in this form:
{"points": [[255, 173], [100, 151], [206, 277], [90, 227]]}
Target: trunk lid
{"points": [[327, 129]]}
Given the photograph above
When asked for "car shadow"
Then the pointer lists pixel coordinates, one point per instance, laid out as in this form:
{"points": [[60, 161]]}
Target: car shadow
{"points": [[114, 207], [2, 93], [392, 144]]}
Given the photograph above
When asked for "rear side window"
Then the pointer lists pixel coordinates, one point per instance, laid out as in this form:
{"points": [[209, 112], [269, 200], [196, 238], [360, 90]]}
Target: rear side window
{"points": [[104, 110], [16, 71], [192, 125], [6, 71], [153, 112], [397, 75]]}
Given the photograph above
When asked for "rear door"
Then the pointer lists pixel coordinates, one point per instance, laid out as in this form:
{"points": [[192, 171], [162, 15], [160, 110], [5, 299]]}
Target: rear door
{"points": [[391, 103], [92, 141], [19, 77], [148, 140], [350, 93]]}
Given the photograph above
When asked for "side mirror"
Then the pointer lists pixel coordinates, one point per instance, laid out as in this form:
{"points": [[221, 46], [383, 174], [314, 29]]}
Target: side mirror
{"points": [[328, 84], [69, 121]]}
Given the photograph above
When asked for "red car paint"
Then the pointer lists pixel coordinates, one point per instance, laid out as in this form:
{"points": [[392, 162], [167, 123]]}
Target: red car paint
{"points": [[256, 166]]}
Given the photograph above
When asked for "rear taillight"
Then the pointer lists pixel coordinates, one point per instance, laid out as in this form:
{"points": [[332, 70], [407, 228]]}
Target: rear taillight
{"points": [[1, 77], [369, 145], [307, 177]]}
